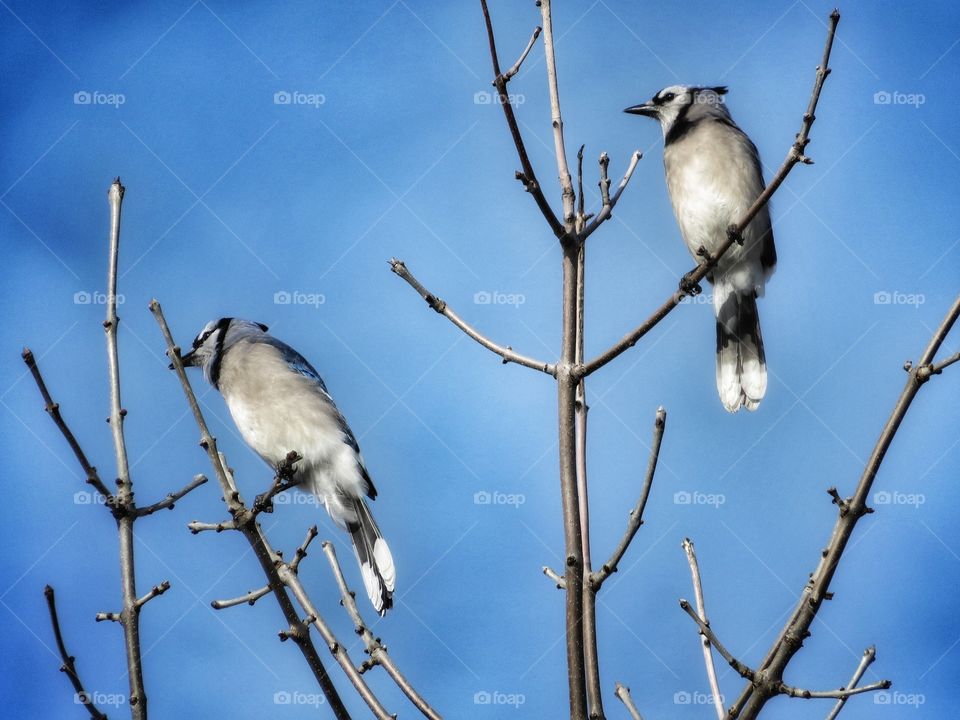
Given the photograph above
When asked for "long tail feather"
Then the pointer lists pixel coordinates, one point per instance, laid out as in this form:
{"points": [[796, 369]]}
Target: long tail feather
{"points": [[741, 365], [373, 555]]}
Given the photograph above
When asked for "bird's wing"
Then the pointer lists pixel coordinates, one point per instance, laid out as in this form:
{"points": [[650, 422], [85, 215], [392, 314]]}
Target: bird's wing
{"points": [[301, 365]]}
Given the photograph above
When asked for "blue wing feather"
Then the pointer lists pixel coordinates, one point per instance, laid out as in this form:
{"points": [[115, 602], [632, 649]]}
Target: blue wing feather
{"points": [[299, 364]]}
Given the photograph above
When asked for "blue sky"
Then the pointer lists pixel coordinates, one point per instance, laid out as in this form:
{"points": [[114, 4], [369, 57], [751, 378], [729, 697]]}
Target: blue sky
{"points": [[388, 148]]}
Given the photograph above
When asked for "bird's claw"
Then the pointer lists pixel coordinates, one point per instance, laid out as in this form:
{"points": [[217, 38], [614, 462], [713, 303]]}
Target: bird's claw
{"points": [[689, 286]]}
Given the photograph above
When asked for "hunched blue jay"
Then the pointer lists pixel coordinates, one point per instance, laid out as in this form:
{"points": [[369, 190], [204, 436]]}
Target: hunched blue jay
{"points": [[713, 176], [280, 404]]}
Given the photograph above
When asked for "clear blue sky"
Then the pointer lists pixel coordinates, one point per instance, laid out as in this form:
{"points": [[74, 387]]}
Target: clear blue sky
{"points": [[388, 150]]}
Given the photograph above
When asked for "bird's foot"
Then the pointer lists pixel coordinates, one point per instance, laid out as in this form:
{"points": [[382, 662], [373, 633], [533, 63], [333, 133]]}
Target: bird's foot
{"points": [[689, 286]]}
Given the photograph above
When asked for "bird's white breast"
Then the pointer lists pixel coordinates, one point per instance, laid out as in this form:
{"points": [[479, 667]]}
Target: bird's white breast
{"points": [[278, 410], [712, 182]]}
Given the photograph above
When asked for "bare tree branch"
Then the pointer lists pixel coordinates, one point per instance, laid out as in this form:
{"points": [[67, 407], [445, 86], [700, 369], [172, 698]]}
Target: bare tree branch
{"points": [[250, 598], [130, 614], [606, 210], [869, 655], [842, 693], [943, 364], [790, 639], [555, 576], [689, 284], [197, 527], [155, 591], [523, 56], [168, 502], [53, 409], [440, 306], [636, 514], [742, 670], [623, 692], [556, 118], [688, 548], [527, 174], [375, 649], [302, 550], [69, 666]]}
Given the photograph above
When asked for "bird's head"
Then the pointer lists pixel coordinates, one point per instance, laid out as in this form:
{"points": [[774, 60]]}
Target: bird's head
{"points": [[216, 337], [677, 102]]}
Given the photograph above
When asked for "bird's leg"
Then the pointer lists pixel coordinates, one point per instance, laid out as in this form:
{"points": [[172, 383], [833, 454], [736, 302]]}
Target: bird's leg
{"points": [[689, 286], [282, 481]]}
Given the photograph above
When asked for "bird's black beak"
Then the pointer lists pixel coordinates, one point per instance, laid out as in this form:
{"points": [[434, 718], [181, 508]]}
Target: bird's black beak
{"points": [[187, 360], [645, 109]]}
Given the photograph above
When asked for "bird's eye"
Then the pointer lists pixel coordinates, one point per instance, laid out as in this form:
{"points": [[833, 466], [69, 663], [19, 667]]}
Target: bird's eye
{"points": [[668, 97]]}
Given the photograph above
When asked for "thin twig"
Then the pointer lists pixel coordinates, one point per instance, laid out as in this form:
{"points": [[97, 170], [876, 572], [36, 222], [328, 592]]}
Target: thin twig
{"points": [[556, 117], [168, 502], [606, 210], [53, 409], [302, 550], [527, 174], [69, 666], [155, 591], [688, 548], [636, 514], [869, 655], [250, 598], [690, 281], [742, 670], [943, 364], [623, 692], [196, 527], [842, 693], [440, 306], [523, 56], [555, 576], [375, 649]]}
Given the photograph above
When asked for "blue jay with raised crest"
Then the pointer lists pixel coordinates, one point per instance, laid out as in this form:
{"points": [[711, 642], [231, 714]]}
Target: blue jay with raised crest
{"points": [[281, 405], [713, 176]]}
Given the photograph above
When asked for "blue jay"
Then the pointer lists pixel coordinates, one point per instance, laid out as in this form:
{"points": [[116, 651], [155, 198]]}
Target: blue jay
{"points": [[713, 176], [280, 404]]}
